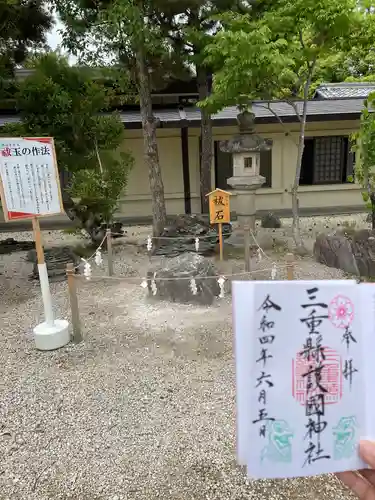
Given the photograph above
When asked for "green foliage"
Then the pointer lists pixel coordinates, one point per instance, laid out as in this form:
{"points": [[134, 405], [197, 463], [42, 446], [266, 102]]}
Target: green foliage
{"points": [[253, 63], [116, 33], [190, 24], [364, 147], [279, 54], [65, 103], [354, 57], [24, 24], [23, 28], [101, 190]]}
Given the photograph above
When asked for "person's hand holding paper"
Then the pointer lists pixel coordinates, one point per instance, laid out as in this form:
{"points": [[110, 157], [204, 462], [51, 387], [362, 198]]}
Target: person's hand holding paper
{"points": [[362, 483], [305, 371]]}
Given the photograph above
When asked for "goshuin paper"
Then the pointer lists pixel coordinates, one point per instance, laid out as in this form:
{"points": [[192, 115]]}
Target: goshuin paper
{"points": [[303, 363]]}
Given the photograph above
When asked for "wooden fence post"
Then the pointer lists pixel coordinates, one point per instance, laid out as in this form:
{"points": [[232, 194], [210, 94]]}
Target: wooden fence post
{"points": [[290, 266], [76, 323], [109, 252], [247, 255]]}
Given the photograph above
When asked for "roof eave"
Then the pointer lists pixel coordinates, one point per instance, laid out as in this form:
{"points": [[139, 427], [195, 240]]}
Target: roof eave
{"points": [[230, 122]]}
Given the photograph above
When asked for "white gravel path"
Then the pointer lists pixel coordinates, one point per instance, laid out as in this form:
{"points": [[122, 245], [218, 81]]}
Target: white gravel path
{"points": [[143, 409]]}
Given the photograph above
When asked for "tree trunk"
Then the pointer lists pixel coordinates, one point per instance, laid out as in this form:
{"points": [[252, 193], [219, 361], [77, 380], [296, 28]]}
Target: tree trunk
{"points": [[206, 139], [372, 199], [151, 154], [87, 219], [85, 216], [295, 200], [301, 146]]}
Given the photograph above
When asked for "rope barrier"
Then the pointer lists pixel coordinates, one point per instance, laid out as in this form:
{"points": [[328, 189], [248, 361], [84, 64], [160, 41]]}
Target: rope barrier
{"points": [[96, 255], [193, 281], [187, 237], [260, 249], [138, 278]]}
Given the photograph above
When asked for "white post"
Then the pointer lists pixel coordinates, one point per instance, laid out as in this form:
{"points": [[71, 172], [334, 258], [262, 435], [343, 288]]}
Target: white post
{"points": [[46, 294], [51, 334]]}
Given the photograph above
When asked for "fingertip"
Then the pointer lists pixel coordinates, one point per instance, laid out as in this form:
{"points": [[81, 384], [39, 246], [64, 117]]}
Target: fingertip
{"points": [[367, 452]]}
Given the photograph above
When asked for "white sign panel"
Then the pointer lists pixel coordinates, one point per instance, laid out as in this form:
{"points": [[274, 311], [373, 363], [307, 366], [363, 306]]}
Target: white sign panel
{"points": [[29, 178], [303, 376]]}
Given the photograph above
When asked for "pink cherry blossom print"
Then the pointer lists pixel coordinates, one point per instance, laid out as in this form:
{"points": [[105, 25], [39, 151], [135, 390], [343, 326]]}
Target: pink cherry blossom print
{"points": [[341, 311]]}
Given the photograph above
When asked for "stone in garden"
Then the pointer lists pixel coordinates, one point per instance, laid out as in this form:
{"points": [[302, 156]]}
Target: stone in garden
{"points": [[349, 250], [179, 236], [180, 270], [56, 259], [271, 221], [265, 240], [10, 245]]}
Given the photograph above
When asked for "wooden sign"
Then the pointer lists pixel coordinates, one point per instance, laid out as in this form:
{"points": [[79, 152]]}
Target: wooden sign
{"points": [[219, 206], [219, 212], [30, 189], [29, 178]]}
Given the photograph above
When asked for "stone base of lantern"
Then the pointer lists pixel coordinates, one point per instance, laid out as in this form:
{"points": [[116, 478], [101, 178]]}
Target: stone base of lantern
{"points": [[245, 188]]}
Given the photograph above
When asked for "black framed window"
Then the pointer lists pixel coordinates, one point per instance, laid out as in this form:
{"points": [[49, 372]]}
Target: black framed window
{"points": [[327, 160]]}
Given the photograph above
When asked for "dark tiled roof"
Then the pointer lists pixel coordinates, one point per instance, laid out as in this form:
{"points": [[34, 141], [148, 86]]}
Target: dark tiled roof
{"points": [[344, 90], [4, 120], [317, 110]]}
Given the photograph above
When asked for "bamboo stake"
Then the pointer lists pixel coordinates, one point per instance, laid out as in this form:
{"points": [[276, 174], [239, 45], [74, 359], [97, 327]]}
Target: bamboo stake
{"points": [[72, 288], [290, 266], [246, 233], [221, 240], [109, 252]]}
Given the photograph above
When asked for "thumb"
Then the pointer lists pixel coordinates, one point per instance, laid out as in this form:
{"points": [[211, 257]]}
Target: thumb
{"points": [[367, 452]]}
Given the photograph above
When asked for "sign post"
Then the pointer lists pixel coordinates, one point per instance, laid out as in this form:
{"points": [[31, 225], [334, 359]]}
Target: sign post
{"points": [[30, 189], [219, 212]]}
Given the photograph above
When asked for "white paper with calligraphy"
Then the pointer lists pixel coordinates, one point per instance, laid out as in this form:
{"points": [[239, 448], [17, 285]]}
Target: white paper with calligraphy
{"points": [[29, 178], [300, 377]]}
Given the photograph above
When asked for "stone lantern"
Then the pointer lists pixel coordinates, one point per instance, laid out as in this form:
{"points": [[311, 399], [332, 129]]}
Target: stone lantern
{"points": [[245, 149]]}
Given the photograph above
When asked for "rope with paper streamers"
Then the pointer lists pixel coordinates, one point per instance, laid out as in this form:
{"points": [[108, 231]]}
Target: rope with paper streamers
{"points": [[193, 282], [195, 237], [186, 237], [97, 256], [98, 259], [149, 244], [150, 239], [261, 253]]}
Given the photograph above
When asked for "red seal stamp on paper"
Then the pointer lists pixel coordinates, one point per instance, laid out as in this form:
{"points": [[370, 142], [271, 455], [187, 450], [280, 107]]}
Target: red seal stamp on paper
{"points": [[341, 311], [330, 377]]}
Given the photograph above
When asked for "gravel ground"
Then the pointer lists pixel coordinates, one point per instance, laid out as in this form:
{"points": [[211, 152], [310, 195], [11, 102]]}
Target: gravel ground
{"points": [[143, 409]]}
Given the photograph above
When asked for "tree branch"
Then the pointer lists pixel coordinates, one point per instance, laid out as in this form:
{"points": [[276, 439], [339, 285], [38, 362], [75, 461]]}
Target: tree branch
{"points": [[301, 40], [287, 131], [98, 157], [293, 104]]}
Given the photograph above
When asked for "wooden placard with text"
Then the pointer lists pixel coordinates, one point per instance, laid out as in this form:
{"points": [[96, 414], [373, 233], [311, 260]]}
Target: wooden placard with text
{"points": [[219, 206], [29, 178]]}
